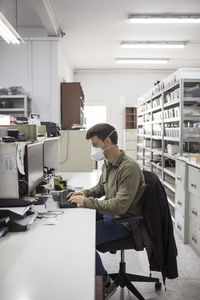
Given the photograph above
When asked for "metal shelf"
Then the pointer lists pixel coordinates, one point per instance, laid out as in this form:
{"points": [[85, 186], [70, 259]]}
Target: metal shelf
{"points": [[156, 137], [140, 145], [171, 202], [170, 187], [169, 156], [171, 87], [171, 120], [170, 171], [156, 108], [155, 165], [172, 103], [167, 138], [13, 96], [11, 109]]}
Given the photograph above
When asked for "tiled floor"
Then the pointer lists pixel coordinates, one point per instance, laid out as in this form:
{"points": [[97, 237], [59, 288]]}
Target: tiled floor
{"points": [[185, 287]]}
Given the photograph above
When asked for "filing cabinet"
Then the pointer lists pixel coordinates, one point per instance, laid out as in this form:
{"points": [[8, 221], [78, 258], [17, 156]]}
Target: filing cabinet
{"points": [[130, 142], [180, 225], [194, 180], [181, 201], [194, 207]]}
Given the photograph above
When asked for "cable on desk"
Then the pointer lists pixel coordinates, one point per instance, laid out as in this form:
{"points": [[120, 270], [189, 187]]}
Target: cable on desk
{"points": [[50, 214]]}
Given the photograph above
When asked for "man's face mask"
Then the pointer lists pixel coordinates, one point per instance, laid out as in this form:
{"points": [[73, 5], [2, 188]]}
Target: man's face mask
{"points": [[98, 153]]}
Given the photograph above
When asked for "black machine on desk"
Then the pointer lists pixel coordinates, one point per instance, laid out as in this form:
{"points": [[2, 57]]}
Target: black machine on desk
{"points": [[63, 201]]}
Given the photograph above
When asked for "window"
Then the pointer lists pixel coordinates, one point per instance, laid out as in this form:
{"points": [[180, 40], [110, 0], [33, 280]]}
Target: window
{"points": [[95, 114]]}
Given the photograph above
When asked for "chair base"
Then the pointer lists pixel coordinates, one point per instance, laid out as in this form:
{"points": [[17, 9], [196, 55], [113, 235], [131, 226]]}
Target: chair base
{"points": [[124, 279]]}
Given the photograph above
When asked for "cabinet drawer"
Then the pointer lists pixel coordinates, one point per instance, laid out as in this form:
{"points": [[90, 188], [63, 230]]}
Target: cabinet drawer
{"points": [[131, 135], [194, 180], [180, 202], [180, 175], [130, 145], [179, 224], [194, 208], [132, 154], [194, 235]]}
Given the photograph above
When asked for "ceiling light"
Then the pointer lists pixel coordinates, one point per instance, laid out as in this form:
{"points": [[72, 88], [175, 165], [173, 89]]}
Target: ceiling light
{"points": [[164, 19], [7, 32], [142, 60], [155, 44]]}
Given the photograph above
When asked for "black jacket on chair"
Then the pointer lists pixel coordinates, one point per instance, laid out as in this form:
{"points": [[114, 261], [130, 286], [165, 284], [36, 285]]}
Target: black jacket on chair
{"points": [[158, 224]]}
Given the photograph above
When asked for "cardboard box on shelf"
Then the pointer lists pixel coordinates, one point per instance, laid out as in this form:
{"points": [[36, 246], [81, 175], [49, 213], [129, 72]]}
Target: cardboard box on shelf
{"points": [[195, 158]]}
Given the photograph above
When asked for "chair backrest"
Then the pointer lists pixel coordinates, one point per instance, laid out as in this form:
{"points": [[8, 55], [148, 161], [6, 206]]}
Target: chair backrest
{"points": [[158, 223]]}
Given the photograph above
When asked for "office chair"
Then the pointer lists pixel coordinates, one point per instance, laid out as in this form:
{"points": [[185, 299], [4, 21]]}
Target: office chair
{"points": [[139, 240]]}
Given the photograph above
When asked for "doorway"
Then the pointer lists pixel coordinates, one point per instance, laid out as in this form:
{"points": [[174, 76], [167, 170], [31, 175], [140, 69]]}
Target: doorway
{"points": [[95, 114]]}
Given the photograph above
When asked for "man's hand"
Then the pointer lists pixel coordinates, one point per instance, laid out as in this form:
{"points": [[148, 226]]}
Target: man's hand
{"points": [[75, 194], [78, 199]]}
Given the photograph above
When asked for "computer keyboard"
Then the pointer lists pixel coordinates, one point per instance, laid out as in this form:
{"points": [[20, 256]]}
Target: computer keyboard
{"points": [[63, 201]]}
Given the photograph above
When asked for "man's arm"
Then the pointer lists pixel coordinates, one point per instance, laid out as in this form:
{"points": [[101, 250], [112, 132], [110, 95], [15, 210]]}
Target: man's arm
{"points": [[97, 191], [127, 188]]}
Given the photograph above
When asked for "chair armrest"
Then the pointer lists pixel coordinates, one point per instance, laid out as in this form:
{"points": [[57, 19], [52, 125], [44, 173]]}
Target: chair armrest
{"points": [[133, 218]]}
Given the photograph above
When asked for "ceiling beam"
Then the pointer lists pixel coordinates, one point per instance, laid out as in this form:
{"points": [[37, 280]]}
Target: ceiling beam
{"points": [[45, 12]]}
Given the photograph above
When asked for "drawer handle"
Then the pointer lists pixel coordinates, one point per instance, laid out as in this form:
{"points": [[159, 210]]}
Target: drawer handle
{"points": [[178, 178], [194, 185], [179, 203], [194, 238], [194, 211], [179, 226]]}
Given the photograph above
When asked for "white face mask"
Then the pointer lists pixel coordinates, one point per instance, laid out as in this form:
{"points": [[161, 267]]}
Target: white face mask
{"points": [[98, 153]]}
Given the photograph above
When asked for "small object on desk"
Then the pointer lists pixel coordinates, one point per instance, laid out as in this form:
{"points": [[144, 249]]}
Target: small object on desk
{"points": [[51, 221], [9, 139]]}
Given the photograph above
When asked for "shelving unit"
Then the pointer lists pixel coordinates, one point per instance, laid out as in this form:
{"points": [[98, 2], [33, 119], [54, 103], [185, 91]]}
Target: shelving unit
{"points": [[72, 104], [130, 117], [15, 105], [168, 123]]}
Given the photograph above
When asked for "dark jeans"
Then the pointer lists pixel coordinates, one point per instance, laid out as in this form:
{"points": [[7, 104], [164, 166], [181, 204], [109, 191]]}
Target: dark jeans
{"points": [[107, 231]]}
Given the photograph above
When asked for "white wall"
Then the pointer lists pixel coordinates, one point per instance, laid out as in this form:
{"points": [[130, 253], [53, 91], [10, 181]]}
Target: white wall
{"points": [[117, 89], [38, 66]]}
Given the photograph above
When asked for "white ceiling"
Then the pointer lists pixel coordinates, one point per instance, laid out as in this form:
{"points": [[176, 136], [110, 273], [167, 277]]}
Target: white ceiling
{"points": [[95, 28]]}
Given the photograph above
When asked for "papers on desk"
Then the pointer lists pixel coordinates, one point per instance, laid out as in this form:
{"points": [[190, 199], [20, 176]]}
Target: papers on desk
{"points": [[20, 218], [28, 220], [17, 210]]}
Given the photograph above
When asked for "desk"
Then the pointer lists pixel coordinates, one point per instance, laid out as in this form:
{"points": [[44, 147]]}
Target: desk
{"points": [[51, 262]]}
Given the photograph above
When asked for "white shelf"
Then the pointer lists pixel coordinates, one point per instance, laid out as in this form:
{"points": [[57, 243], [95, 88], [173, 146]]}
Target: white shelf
{"points": [[172, 103], [156, 108], [13, 96], [171, 202], [171, 120], [169, 156], [157, 166], [11, 109], [171, 87], [170, 171], [156, 137], [169, 186], [172, 139], [140, 145]]}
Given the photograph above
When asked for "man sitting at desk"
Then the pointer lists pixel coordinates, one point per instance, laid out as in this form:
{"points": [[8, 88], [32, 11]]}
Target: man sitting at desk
{"points": [[122, 184]]}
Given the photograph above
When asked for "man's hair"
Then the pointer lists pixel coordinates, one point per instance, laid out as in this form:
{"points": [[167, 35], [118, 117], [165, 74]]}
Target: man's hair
{"points": [[102, 130]]}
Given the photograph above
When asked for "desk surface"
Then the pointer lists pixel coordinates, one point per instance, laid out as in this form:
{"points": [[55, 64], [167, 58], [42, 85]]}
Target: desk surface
{"points": [[51, 262]]}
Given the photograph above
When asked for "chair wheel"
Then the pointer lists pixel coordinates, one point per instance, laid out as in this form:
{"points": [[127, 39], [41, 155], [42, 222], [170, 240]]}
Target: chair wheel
{"points": [[158, 286]]}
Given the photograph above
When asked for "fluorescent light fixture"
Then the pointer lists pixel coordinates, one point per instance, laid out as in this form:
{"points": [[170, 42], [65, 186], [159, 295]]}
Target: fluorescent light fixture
{"points": [[153, 44], [166, 19], [7, 32], [142, 60]]}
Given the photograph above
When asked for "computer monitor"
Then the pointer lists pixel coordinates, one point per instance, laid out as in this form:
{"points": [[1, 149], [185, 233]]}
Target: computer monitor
{"points": [[34, 166]]}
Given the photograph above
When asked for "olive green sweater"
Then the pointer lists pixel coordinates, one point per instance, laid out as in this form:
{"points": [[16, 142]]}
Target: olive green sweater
{"points": [[122, 184]]}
